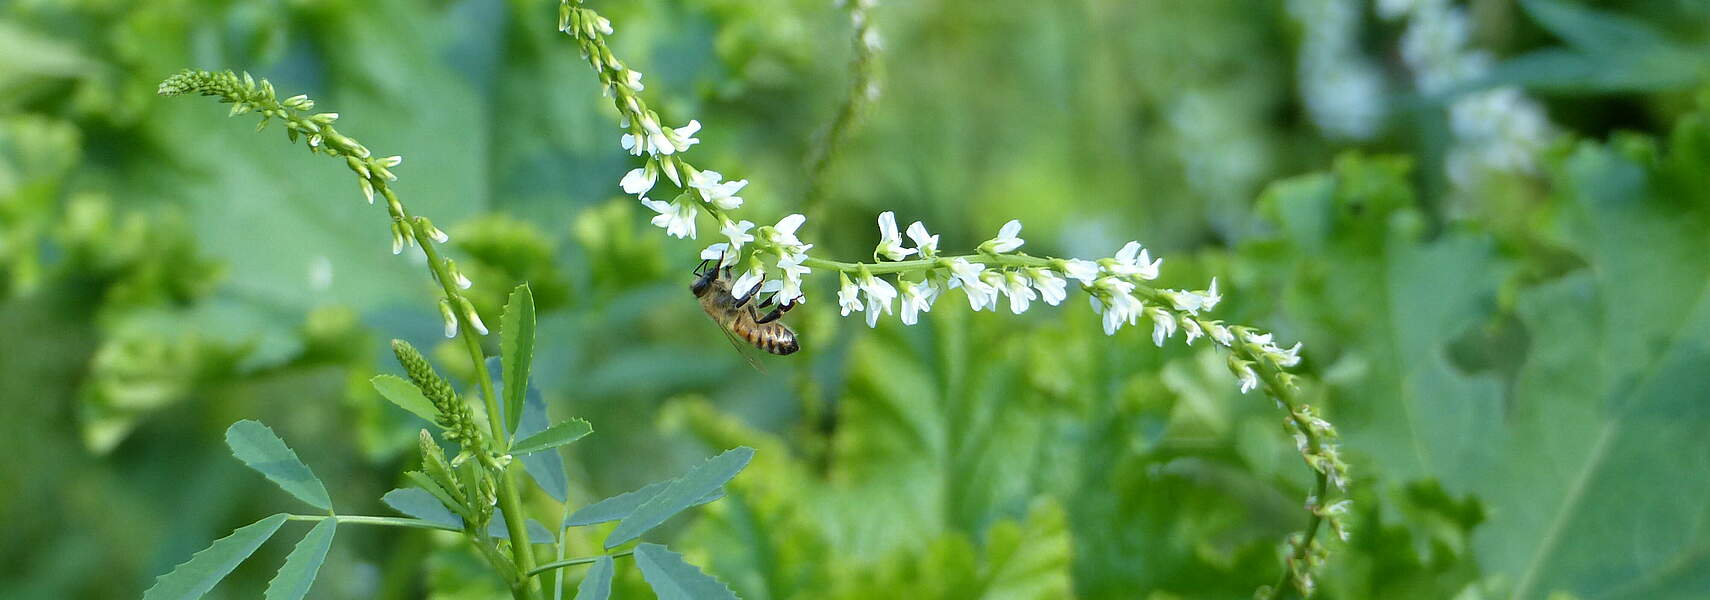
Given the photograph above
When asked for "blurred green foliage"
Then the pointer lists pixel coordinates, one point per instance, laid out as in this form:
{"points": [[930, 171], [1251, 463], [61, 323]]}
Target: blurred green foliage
{"points": [[1518, 374]]}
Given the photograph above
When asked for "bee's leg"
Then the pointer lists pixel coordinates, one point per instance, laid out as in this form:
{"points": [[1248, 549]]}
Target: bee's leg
{"points": [[702, 269], [776, 312]]}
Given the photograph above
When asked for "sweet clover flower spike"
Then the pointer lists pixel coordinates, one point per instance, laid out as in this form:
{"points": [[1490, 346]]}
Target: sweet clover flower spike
{"points": [[495, 485], [773, 258]]}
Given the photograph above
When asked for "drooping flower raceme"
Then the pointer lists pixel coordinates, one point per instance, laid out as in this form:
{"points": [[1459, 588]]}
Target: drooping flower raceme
{"points": [[773, 259]]}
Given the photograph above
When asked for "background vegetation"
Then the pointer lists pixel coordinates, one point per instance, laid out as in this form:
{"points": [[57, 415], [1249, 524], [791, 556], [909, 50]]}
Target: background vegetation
{"points": [[1515, 358]]}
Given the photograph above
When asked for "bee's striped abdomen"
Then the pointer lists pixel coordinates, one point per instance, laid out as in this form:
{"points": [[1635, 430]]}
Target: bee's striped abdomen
{"points": [[775, 338]]}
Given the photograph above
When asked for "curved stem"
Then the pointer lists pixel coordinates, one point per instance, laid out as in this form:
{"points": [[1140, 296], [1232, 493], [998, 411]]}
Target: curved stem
{"points": [[509, 498], [577, 561], [381, 521]]}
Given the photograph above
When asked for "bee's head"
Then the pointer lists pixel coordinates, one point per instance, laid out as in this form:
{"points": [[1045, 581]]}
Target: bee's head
{"points": [[702, 282]]}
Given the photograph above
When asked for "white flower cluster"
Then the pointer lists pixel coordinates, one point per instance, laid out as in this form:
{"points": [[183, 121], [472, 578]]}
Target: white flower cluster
{"points": [[1499, 130], [1342, 88]]}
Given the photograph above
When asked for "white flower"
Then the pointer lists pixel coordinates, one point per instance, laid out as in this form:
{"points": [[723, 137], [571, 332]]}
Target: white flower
{"points": [[639, 181], [784, 233], [632, 78], [1020, 291], [1284, 358], [1163, 325], [748, 279], [715, 191], [1114, 299], [880, 293], [1244, 373], [1254, 338], [967, 276], [1052, 289], [677, 218], [717, 251], [1221, 334], [916, 298], [1084, 270], [1134, 261], [890, 244], [1190, 327], [848, 296], [603, 25], [738, 233], [1006, 241], [926, 244], [790, 290], [683, 137], [448, 317]]}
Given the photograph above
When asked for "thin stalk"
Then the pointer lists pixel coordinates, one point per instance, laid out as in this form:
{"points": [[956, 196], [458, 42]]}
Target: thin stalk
{"points": [[381, 521], [1320, 485], [509, 499], [577, 561]]}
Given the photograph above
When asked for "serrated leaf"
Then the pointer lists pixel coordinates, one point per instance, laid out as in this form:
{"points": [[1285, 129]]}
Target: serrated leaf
{"points": [[537, 531], [672, 578], [300, 568], [257, 446], [597, 584], [516, 348], [621, 505], [422, 504], [557, 435], [196, 576], [405, 394], [681, 494]]}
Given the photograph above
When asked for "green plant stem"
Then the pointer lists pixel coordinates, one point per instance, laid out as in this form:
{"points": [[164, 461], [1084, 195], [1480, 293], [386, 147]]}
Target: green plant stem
{"points": [[1272, 377], [381, 521], [903, 266], [862, 71], [509, 499], [577, 561]]}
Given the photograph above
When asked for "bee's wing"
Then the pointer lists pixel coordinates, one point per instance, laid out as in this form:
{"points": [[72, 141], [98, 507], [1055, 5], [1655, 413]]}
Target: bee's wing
{"points": [[742, 312]]}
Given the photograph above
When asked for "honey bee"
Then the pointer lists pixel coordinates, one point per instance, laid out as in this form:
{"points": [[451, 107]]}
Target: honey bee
{"points": [[741, 316]]}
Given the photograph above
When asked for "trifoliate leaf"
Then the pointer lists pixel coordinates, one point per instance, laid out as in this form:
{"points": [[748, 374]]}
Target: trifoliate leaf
{"points": [[621, 505], [557, 435], [597, 584], [516, 348], [422, 504], [681, 494], [404, 394], [257, 446], [298, 573], [673, 579], [196, 576]]}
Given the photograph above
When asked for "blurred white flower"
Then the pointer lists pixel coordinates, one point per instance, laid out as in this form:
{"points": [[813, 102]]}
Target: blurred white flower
{"points": [[1084, 271], [916, 298], [716, 191], [1052, 289], [879, 296], [1006, 240], [639, 181], [677, 218], [738, 233], [926, 244], [1133, 261], [848, 296], [1019, 289], [1163, 325], [890, 244]]}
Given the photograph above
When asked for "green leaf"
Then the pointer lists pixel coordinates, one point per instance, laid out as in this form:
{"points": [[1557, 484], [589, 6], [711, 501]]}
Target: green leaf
{"points": [[681, 494], [597, 584], [421, 504], [516, 348], [620, 506], [673, 579], [257, 446], [298, 573], [406, 395], [196, 576], [557, 435], [545, 468]]}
